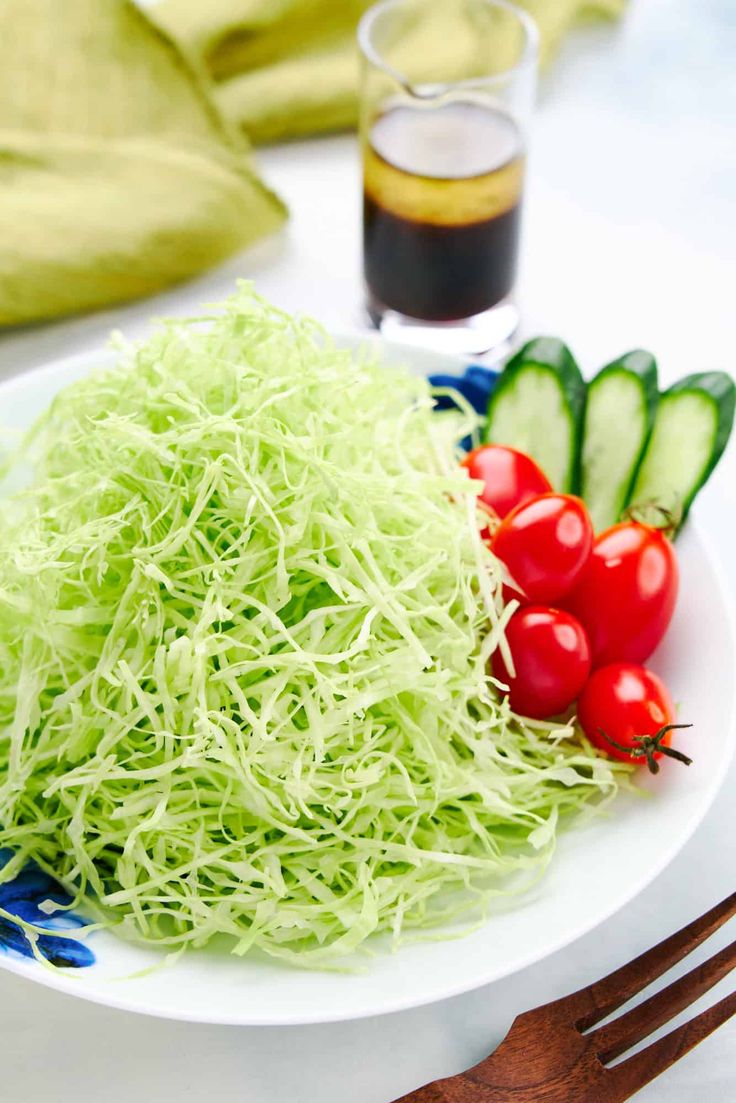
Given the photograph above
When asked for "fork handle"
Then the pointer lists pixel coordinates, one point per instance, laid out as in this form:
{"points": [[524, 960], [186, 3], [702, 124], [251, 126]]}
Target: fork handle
{"points": [[463, 1089], [430, 1093]]}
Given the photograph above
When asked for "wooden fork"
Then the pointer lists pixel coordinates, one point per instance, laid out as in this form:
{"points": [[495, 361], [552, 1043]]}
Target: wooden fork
{"points": [[547, 1056]]}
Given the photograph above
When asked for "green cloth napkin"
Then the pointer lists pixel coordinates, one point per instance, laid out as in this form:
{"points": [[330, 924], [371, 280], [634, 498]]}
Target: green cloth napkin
{"points": [[289, 67], [119, 174], [124, 161]]}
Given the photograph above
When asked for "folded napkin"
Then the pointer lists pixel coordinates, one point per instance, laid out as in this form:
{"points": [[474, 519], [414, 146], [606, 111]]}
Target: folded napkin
{"points": [[119, 174], [289, 67], [124, 168]]}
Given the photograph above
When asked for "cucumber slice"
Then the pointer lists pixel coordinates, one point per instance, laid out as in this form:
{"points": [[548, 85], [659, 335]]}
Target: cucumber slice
{"points": [[691, 430], [619, 412], [537, 407]]}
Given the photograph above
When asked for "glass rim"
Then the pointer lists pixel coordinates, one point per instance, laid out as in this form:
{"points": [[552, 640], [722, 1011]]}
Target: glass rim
{"points": [[527, 59]]}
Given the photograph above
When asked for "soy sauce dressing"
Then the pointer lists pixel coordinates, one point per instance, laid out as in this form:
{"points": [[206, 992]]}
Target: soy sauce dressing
{"points": [[442, 209]]}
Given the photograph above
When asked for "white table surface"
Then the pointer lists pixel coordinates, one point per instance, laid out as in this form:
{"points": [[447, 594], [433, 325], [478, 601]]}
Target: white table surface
{"points": [[630, 240]]}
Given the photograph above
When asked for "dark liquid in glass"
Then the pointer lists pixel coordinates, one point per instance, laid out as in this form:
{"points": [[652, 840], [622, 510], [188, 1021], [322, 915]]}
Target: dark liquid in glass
{"points": [[442, 205]]}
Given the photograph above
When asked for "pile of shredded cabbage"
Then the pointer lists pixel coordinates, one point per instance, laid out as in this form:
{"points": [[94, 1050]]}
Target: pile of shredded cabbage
{"points": [[245, 622]]}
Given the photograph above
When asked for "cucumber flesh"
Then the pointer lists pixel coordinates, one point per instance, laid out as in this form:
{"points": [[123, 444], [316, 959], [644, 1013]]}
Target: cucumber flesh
{"points": [[691, 430], [616, 430], [618, 419], [531, 415], [678, 459], [537, 407]]}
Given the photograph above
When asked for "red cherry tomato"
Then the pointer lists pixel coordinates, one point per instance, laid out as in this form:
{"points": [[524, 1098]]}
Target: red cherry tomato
{"points": [[545, 544], [624, 701], [509, 477], [626, 595], [551, 660]]}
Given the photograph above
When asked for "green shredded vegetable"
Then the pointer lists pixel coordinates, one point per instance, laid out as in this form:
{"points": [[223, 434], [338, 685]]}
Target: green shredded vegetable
{"points": [[245, 622]]}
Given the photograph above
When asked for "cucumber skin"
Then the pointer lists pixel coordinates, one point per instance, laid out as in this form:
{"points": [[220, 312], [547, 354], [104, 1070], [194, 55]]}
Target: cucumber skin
{"points": [[722, 389], [641, 363], [550, 352]]}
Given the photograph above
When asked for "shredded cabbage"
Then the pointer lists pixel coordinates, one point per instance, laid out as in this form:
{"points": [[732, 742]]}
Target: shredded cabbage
{"points": [[245, 622]]}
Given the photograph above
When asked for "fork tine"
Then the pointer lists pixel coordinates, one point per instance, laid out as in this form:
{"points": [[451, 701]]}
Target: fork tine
{"points": [[616, 1037], [638, 1070], [618, 987]]}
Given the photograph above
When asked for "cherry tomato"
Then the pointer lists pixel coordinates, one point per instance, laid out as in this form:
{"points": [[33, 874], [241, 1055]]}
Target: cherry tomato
{"points": [[623, 702], [626, 595], [509, 477], [551, 657], [545, 544]]}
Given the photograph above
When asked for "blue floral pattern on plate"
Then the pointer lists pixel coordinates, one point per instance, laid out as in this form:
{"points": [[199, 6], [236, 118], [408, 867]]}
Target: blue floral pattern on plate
{"points": [[23, 897], [475, 385]]}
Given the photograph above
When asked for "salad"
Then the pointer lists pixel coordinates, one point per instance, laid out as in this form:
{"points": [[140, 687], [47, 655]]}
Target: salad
{"points": [[593, 578], [259, 667]]}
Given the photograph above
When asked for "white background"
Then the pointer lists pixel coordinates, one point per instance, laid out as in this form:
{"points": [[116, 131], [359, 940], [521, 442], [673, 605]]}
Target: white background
{"points": [[630, 241]]}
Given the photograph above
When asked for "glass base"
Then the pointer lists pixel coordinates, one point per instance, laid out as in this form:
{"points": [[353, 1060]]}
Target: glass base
{"points": [[488, 334]]}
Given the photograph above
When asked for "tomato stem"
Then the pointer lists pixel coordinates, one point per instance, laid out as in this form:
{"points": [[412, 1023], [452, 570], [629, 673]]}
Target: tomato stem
{"points": [[649, 745], [655, 515]]}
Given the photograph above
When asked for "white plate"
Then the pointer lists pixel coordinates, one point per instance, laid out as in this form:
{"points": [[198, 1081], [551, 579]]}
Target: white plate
{"points": [[598, 868]]}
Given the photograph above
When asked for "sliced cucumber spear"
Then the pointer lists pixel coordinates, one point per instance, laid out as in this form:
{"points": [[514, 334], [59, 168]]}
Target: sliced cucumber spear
{"points": [[619, 413], [537, 408], [691, 430]]}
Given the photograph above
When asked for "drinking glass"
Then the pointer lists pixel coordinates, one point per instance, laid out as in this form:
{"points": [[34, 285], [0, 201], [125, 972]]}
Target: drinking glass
{"points": [[447, 91]]}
